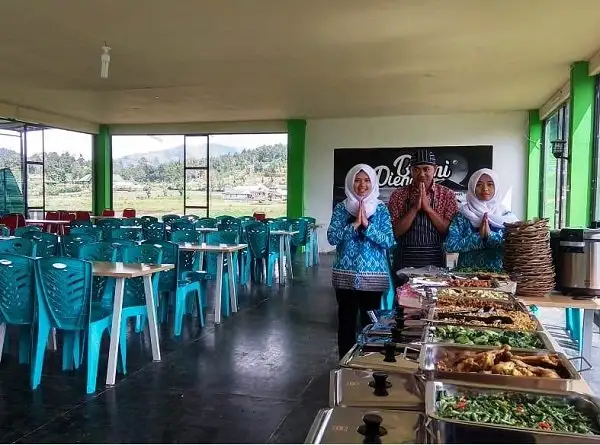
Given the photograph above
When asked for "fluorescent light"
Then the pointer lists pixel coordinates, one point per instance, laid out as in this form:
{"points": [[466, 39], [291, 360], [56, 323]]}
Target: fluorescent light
{"points": [[105, 61]]}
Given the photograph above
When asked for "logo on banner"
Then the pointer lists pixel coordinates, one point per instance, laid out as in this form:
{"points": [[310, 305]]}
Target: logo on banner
{"points": [[399, 175]]}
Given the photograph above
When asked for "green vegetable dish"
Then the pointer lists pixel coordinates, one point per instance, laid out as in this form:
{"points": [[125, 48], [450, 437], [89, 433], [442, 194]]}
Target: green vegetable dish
{"points": [[545, 413], [468, 336]]}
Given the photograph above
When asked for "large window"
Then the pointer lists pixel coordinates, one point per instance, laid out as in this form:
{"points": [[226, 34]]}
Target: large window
{"points": [[53, 167], [201, 174], [555, 170]]}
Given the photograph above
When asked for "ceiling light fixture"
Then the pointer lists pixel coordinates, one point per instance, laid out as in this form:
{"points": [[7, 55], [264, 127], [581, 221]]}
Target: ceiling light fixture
{"points": [[105, 60]]}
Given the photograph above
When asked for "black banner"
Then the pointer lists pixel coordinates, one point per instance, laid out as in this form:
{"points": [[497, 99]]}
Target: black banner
{"points": [[455, 164]]}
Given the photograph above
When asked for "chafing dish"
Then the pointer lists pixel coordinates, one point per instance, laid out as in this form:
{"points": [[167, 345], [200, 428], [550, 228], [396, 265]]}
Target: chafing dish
{"points": [[434, 317], [376, 389], [432, 354], [359, 425], [472, 292], [392, 357], [446, 430], [430, 337]]}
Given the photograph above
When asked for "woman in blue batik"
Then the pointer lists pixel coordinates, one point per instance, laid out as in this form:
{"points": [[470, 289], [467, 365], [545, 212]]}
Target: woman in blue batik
{"points": [[361, 230], [477, 231]]}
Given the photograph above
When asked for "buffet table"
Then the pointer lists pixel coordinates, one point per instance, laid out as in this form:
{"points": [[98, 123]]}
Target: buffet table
{"points": [[457, 361], [558, 300]]}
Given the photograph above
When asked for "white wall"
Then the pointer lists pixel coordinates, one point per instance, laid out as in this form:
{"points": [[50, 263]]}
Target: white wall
{"points": [[507, 132]]}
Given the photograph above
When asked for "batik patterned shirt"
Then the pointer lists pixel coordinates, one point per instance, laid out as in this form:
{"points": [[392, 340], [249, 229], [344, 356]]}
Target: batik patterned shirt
{"points": [[361, 259]]}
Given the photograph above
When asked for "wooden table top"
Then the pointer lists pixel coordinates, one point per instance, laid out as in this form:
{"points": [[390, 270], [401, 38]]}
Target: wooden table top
{"points": [[283, 232], [46, 221], [556, 299], [122, 270], [203, 247]]}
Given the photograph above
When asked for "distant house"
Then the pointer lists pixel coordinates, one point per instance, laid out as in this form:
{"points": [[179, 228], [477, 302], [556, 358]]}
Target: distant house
{"points": [[247, 192]]}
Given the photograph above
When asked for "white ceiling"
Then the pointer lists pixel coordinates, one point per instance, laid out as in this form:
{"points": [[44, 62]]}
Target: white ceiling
{"points": [[223, 60]]}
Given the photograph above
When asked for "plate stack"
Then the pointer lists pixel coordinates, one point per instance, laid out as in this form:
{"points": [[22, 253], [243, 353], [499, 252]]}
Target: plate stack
{"points": [[528, 258]]}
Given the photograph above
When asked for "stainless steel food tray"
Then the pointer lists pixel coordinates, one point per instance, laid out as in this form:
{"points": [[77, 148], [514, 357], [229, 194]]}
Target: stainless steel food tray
{"points": [[341, 425], [432, 319], [435, 290], [407, 359], [429, 336], [444, 430], [376, 389], [431, 354]]}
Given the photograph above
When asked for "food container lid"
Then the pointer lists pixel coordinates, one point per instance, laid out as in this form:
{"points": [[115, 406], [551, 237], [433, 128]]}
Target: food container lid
{"points": [[376, 389], [362, 425], [392, 358], [591, 234]]}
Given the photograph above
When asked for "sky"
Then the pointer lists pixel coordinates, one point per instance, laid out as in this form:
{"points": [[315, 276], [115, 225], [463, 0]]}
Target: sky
{"points": [[81, 143]]}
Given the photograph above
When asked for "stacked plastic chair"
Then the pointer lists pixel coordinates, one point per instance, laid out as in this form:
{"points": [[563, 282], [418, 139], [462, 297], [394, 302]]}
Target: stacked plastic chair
{"points": [[20, 231], [94, 232], [46, 244], [107, 225], [264, 259], [17, 296], [70, 244], [4, 230], [18, 246], [153, 231], [148, 220], [312, 238]]}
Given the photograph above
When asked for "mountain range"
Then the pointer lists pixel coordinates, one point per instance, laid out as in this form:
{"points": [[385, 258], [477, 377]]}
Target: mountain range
{"points": [[174, 154]]}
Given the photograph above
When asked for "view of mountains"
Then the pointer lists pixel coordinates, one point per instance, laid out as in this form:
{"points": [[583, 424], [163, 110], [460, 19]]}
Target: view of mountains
{"points": [[174, 154]]}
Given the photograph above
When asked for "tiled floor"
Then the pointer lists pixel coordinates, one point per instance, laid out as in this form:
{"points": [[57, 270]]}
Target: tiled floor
{"points": [[259, 377]]}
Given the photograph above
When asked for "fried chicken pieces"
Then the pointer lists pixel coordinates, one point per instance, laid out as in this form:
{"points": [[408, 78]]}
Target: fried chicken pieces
{"points": [[503, 362]]}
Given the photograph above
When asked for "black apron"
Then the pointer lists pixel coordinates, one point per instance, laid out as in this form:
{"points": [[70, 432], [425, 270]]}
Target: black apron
{"points": [[421, 245]]}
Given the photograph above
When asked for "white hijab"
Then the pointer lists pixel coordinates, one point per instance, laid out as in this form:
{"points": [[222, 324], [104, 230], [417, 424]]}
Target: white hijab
{"points": [[474, 208], [352, 201]]}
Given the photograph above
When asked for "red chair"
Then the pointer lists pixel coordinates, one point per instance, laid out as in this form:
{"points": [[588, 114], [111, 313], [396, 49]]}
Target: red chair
{"points": [[259, 216], [66, 216], [108, 212], [128, 213], [82, 216], [12, 221]]}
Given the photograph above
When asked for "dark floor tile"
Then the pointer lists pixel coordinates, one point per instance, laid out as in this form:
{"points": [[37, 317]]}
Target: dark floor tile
{"points": [[295, 426]]}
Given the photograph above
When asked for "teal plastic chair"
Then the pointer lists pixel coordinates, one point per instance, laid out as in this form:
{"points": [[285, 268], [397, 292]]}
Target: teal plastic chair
{"points": [[78, 223], [168, 219], [107, 225], [312, 238], [103, 287], [70, 244], [126, 233], [87, 231], [64, 302], [18, 246], [264, 259], [179, 283], [46, 244], [20, 231], [182, 224], [121, 244], [134, 297], [148, 220], [206, 223], [154, 231], [387, 299], [191, 218], [131, 222], [17, 296], [4, 230], [300, 240]]}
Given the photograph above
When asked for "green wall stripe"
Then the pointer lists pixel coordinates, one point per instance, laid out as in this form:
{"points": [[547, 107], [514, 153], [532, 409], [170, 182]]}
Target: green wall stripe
{"points": [[534, 164], [102, 177], [295, 167], [581, 129]]}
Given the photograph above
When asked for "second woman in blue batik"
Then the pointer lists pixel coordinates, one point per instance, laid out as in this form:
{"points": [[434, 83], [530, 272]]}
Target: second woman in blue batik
{"points": [[477, 231]]}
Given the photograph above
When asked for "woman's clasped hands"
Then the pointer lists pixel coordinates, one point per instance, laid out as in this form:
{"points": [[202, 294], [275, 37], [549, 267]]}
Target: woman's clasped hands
{"points": [[361, 218]]}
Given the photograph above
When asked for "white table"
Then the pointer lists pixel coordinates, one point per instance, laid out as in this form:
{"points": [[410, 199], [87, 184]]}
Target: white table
{"points": [[285, 252], [122, 272], [59, 223], [220, 250]]}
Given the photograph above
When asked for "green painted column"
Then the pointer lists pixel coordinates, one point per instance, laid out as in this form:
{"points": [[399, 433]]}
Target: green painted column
{"points": [[534, 164], [581, 145], [296, 129], [102, 168]]}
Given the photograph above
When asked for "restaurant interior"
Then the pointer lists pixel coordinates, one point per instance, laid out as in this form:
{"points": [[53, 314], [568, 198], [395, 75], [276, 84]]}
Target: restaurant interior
{"points": [[168, 172]]}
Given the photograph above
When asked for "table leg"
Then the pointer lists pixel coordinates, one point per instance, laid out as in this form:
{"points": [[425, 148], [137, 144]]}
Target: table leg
{"points": [[201, 253], [316, 247], [115, 332], [232, 283], [219, 287], [288, 256], [152, 324], [588, 327], [281, 259]]}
